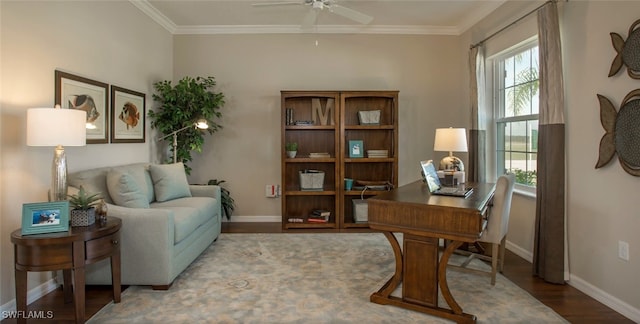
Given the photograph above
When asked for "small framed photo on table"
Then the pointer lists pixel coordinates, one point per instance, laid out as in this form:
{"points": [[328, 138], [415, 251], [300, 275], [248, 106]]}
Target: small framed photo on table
{"points": [[45, 217], [356, 149]]}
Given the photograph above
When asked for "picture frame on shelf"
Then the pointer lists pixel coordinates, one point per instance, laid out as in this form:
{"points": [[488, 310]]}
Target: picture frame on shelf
{"points": [[76, 92], [356, 149], [127, 116], [45, 217]]}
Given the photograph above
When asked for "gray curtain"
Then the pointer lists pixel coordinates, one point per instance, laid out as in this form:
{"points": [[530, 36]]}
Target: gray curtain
{"points": [[549, 245], [477, 134]]}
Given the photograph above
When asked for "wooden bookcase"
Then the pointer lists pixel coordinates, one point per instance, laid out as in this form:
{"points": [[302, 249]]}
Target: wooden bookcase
{"points": [[330, 131]]}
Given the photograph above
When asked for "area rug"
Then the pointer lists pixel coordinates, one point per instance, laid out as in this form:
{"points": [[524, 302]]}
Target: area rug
{"points": [[308, 278]]}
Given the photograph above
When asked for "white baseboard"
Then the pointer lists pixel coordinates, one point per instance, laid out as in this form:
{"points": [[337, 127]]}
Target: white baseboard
{"points": [[519, 251], [32, 295], [603, 297], [587, 288]]}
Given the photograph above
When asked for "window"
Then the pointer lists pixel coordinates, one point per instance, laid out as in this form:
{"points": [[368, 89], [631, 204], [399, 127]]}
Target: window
{"points": [[516, 112]]}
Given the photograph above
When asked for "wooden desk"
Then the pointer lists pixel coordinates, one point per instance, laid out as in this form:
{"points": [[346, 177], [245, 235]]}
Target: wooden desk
{"points": [[67, 251], [423, 219]]}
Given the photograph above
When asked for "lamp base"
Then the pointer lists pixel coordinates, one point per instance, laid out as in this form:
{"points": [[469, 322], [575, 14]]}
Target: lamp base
{"points": [[451, 163], [58, 191]]}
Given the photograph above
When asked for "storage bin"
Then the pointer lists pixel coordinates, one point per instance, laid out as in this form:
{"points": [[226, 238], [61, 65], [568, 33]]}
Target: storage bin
{"points": [[311, 180]]}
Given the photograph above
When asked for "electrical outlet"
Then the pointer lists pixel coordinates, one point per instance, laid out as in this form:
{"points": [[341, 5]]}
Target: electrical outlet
{"points": [[269, 191], [623, 250], [272, 191]]}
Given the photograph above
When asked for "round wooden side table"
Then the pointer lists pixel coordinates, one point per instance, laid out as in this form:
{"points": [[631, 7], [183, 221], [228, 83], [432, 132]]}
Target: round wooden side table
{"points": [[67, 251]]}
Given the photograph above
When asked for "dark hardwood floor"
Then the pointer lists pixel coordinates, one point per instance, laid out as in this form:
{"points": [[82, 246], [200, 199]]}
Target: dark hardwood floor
{"points": [[565, 300]]}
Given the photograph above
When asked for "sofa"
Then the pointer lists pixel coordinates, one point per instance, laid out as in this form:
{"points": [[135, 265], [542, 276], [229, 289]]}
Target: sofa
{"points": [[166, 223]]}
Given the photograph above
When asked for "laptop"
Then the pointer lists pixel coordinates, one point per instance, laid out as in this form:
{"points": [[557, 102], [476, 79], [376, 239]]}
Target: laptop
{"points": [[430, 176]]}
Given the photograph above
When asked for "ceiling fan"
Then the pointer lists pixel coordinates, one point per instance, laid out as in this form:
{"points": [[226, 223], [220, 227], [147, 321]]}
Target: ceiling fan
{"points": [[317, 5]]}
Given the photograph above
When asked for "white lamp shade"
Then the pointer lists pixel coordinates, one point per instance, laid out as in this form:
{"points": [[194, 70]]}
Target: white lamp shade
{"points": [[56, 126], [450, 140]]}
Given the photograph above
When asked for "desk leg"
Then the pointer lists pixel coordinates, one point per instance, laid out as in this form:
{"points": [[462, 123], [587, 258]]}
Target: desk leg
{"points": [[381, 295], [442, 277], [21, 294], [116, 276], [78, 279]]}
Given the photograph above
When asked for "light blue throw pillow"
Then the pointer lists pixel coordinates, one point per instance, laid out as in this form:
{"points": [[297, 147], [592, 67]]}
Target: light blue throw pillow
{"points": [[169, 181], [125, 191]]}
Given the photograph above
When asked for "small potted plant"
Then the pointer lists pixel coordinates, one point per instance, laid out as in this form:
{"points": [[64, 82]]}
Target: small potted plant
{"points": [[291, 148], [83, 211], [228, 204]]}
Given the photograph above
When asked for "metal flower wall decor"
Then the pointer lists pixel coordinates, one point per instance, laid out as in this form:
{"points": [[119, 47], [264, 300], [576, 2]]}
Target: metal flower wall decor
{"points": [[622, 132], [628, 52]]}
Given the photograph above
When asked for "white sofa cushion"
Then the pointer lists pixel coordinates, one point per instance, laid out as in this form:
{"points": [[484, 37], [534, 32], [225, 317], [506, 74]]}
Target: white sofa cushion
{"points": [[125, 190], [169, 181]]}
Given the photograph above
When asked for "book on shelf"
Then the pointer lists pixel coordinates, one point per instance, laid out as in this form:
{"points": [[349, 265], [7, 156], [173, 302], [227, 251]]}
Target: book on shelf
{"points": [[317, 220], [319, 216], [319, 155], [321, 212]]}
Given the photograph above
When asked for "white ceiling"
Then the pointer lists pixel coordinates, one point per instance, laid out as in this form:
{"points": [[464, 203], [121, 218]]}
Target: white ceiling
{"points": [[440, 17]]}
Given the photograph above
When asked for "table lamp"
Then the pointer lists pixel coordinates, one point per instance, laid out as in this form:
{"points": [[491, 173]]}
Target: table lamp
{"points": [[451, 140], [57, 127], [200, 124]]}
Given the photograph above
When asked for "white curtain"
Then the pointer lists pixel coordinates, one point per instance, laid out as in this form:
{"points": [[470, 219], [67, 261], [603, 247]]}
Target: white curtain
{"points": [[549, 246]]}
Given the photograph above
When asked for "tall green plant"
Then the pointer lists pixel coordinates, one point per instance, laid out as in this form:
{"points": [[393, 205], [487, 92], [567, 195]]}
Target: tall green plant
{"points": [[182, 105]]}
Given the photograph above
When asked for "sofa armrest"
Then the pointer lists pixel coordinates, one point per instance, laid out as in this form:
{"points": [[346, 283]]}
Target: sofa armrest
{"points": [[147, 235], [212, 191]]}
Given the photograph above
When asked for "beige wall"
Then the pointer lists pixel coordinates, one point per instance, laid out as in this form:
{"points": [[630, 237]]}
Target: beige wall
{"points": [[112, 42], [601, 204], [252, 69]]}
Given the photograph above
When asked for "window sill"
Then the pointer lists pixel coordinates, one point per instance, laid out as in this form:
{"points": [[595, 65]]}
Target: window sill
{"points": [[525, 192]]}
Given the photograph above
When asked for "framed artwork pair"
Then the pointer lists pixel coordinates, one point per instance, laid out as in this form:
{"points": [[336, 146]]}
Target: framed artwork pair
{"points": [[122, 122]]}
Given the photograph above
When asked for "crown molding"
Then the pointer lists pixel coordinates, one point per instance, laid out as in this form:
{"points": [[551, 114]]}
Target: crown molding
{"points": [[151, 11], [476, 16], [321, 29], [155, 14]]}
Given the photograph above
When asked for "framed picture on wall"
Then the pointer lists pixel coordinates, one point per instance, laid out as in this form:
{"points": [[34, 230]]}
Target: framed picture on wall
{"points": [[45, 217], [75, 92], [127, 116]]}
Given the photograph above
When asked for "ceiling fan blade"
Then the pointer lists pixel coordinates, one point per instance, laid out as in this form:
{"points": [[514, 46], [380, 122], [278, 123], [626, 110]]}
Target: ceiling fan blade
{"points": [[310, 19], [351, 14], [283, 3]]}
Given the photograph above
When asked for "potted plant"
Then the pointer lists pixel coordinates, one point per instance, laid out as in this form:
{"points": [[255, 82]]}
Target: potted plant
{"points": [[83, 211], [228, 204], [291, 148], [181, 105]]}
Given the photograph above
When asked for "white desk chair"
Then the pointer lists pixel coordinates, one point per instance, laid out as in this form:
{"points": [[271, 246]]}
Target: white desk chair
{"points": [[496, 232]]}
